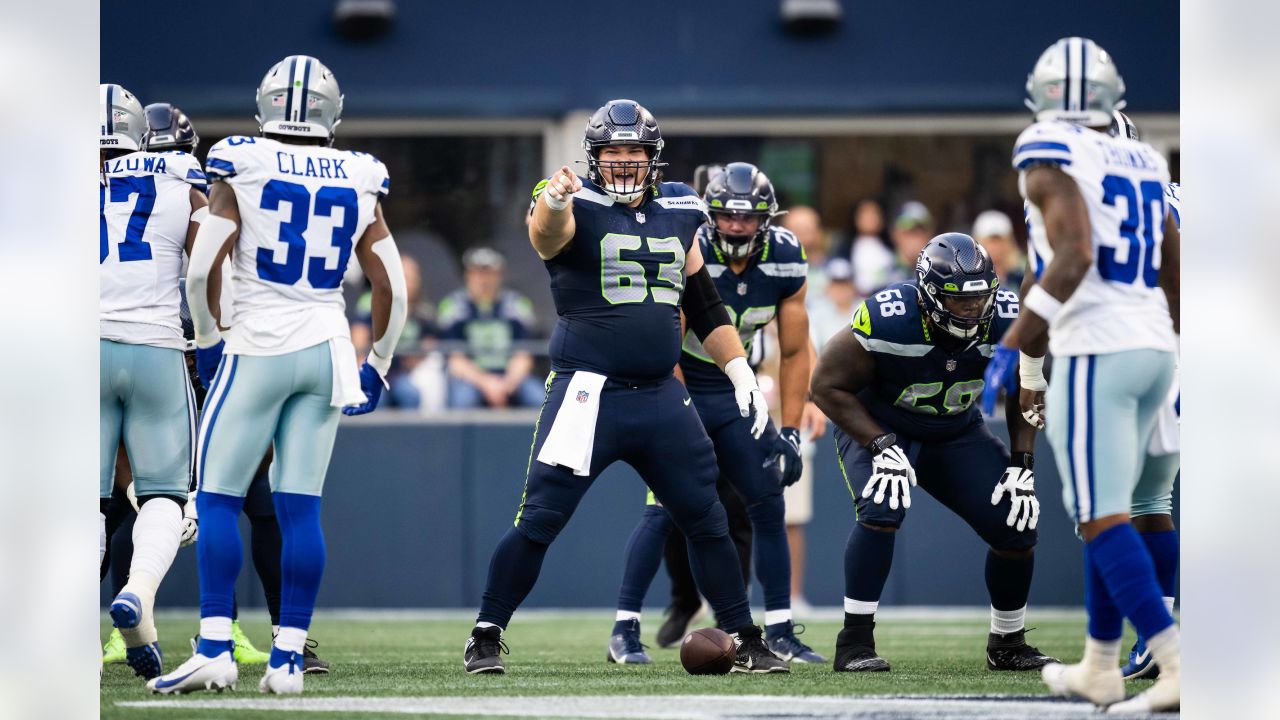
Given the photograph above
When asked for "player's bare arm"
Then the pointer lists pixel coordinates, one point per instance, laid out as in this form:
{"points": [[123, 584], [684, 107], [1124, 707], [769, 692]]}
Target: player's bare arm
{"points": [[552, 226], [844, 369], [793, 341], [1171, 268], [199, 211], [1066, 220], [380, 259], [1030, 365]]}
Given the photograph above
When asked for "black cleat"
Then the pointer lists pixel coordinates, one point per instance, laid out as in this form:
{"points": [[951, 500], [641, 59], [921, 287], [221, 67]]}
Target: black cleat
{"points": [[1011, 652], [856, 651], [312, 665], [754, 656], [482, 653], [677, 624]]}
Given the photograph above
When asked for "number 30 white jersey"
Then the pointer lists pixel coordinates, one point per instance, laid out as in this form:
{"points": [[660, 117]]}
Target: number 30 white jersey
{"points": [[1119, 305], [302, 209], [145, 202]]}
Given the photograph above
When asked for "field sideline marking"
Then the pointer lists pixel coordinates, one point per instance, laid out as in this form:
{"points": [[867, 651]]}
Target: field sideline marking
{"points": [[669, 707]]}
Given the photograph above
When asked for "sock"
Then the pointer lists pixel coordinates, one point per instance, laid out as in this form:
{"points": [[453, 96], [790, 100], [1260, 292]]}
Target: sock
{"points": [[1166, 648], [289, 642], [623, 624], [1125, 566], [156, 534], [626, 616], [120, 550], [1163, 547], [643, 556], [480, 624], [302, 558], [266, 547], [1101, 654], [773, 554], [218, 553], [102, 536], [215, 635], [1004, 622], [1105, 621], [859, 613], [868, 555], [513, 570], [777, 622]]}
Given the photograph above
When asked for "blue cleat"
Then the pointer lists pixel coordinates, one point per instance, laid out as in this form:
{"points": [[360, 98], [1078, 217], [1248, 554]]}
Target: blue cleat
{"points": [[787, 646], [147, 661], [1141, 665], [625, 647], [126, 611]]}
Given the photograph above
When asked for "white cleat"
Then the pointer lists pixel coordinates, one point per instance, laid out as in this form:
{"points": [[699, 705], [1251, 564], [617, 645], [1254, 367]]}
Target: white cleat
{"points": [[283, 680], [199, 672], [1165, 695], [1100, 687]]}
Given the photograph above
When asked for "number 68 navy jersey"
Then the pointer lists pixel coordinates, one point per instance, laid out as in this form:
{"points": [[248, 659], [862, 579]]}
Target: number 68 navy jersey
{"points": [[617, 285], [924, 386], [302, 209]]}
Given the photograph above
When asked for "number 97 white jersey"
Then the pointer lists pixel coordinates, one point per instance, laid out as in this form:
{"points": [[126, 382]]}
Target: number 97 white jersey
{"points": [[302, 209], [1119, 305]]}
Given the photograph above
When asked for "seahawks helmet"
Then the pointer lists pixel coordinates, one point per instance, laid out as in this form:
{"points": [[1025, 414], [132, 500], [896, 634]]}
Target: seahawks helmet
{"points": [[1077, 82], [1122, 126], [623, 122], [299, 97], [168, 128], [954, 265], [120, 120], [742, 190]]}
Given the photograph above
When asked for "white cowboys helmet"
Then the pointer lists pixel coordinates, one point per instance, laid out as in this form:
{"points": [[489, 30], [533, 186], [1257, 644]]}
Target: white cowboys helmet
{"points": [[1077, 82], [299, 97], [120, 119]]}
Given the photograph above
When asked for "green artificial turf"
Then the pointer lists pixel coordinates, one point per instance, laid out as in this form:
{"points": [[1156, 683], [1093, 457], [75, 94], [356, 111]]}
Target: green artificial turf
{"points": [[565, 655]]}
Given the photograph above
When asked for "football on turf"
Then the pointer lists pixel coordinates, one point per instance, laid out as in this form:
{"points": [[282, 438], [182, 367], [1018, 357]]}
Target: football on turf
{"points": [[708, 651]]}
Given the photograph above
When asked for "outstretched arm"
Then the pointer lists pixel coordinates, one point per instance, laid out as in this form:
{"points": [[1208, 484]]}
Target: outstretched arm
{"points": [[551, 226]]}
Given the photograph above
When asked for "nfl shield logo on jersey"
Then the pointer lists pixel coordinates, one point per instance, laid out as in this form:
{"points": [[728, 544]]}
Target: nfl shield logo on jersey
{"points": [[583, 395], [742, 288], [640, 217], [951, 365]]}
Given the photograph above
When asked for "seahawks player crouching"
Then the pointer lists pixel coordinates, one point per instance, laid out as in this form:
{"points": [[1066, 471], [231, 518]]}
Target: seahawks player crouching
{"points": [[900, 388]]}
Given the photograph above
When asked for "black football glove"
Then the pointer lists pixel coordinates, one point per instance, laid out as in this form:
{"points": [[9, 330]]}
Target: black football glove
{"points": [[785, 455]]}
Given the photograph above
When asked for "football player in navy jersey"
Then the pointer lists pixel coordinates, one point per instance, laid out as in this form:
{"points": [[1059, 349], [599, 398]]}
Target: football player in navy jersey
{"points": [[900, 388], [619, 246], [760, 272]]}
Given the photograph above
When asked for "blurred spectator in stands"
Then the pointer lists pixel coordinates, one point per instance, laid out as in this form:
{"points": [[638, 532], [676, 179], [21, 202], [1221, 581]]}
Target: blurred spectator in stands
{"points": [[871, 260], [994, 231], [482, 322], [805, 223], [912, 230], [417, 338], [832, 311]]}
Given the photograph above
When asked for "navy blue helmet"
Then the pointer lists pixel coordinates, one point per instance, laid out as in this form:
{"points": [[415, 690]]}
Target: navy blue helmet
{"points": [[1122, 126], [168, 128], [623, 122], [957, 284], [741, 189]]}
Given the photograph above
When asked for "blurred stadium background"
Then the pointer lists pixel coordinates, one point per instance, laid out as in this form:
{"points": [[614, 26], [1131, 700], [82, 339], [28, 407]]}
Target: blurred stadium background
{"points": [[469, 104]]}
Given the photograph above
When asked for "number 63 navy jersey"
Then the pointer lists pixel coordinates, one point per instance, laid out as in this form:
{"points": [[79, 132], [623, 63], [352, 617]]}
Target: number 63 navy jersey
{"points": [[617, 285], [922, 387], [302, 209]]}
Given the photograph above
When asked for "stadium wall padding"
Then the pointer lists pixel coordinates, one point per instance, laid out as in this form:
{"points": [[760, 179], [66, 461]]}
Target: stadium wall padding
{"points": [[412, 510]]}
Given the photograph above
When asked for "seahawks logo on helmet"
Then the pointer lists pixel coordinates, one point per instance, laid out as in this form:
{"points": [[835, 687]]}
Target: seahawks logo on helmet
{"points": [[740, 190], [958, 284]]}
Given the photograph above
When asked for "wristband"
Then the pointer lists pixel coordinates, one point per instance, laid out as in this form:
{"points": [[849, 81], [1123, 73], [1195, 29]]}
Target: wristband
{"points": [[1031, 372], [882, 442], [740, 374], [1026, 460], [1040, 302], [200, 214], [553, 203]]}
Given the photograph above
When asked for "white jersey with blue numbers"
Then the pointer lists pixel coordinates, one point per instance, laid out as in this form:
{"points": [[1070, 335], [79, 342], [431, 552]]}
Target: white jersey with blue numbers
{"points": [[145, 200], [302, 209], [1119, 305]]}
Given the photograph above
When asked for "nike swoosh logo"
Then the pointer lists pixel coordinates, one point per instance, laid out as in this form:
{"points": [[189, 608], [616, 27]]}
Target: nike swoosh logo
{"points": [[687, 401], [1142, 657], [162, 683]]}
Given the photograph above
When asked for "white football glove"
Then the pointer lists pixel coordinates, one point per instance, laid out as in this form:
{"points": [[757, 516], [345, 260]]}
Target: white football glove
{"points": [[190, 522], [746, 391], [891, 471], [1024, 508]]}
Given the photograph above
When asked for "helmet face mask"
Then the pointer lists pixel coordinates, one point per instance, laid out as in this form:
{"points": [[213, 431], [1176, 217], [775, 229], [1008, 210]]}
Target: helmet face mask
{"points": [[958, 285], [740, 190], [299, 97], [617, 124], [1075, 81]]}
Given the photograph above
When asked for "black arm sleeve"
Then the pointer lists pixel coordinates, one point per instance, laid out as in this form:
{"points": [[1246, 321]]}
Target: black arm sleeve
{"points": [[703, 308]]}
